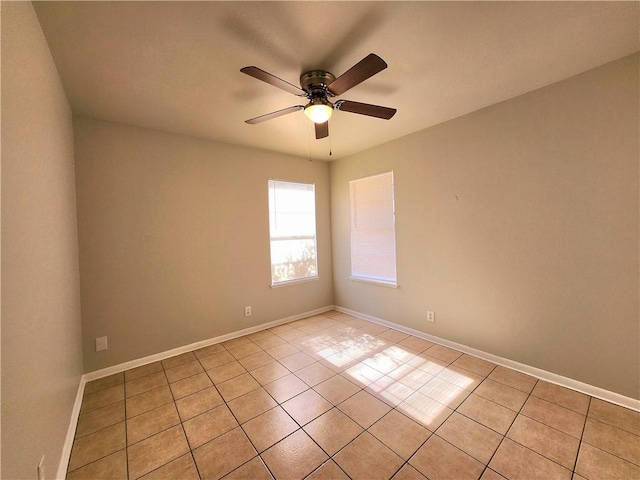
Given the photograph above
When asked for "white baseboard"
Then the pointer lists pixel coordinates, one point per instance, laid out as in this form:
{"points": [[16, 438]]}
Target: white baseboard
{"points": [[581, 387], [71, 432]]}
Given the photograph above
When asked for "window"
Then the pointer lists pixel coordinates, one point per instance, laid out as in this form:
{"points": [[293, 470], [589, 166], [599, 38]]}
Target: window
{"points": [[292, 226], [373, 235]]}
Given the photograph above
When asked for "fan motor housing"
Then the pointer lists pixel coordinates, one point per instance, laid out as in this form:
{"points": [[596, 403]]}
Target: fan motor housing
{"points": [[315, 82]]}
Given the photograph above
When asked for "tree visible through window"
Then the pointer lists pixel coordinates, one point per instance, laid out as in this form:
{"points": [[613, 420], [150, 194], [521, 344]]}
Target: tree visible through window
{"points": [[373, 233], [292, 226]]}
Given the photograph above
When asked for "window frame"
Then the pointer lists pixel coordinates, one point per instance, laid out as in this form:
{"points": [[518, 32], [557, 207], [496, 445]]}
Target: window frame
{"points": [[372, 279], [276, 238]]}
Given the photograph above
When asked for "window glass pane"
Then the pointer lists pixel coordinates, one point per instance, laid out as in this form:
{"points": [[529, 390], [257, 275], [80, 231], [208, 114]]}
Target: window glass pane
{"points": [[373, 243], [292, 225]]}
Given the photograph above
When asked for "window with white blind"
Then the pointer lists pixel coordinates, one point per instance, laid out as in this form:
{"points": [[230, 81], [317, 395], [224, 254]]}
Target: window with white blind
{"points": [[373, 234], [292, 226]]}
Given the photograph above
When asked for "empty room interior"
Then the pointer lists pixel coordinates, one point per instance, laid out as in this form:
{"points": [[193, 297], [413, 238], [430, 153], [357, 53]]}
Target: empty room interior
{"points": [[320, 240]]}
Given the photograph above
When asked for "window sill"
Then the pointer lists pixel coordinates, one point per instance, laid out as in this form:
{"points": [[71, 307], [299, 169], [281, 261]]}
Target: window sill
{"points": [[372, 281], [293, 282]]}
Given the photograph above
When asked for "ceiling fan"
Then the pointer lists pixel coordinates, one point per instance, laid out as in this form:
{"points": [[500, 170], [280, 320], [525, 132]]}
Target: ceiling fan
{"points": [[318, 86]]}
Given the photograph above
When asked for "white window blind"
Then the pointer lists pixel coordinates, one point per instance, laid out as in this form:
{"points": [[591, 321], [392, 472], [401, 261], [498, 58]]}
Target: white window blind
{"points": [[292, 227], [373, 237]]}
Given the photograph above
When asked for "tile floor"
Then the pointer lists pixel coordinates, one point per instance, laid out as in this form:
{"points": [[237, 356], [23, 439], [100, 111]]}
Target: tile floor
{"points": [[336, 397]]}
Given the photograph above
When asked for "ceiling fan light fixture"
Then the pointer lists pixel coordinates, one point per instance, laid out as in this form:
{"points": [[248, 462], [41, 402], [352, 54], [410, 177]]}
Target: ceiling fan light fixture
{"points": [[318, 110]]}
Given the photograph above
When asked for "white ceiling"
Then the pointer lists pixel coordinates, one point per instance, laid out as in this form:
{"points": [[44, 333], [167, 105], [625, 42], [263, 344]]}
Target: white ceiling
{"points": [[175, 66]]}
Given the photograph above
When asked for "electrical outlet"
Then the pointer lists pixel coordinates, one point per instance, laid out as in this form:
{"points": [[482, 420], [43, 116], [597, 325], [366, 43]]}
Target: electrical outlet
{"points": [[247, 311], [431, 316], [41, 468], [101, 344]]}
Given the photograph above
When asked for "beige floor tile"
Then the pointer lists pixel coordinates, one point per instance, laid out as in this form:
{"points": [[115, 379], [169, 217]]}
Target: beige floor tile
{"points": [[209, 425], [475, 365], [512, 378], [547, 441], [111, 467], [444, 392], [297, 361], [144, 384], [237, 386], [285, 388], [471, 437], [364, 408], [269, 342], [616, 416], [142, 371], [178, 360], [443, 353], [190, 385], [333, 430], [416, 344], [428, 364], [182, 468], [183, 371], [383, 362], [148, 401], [399, 433], [291, 335], [328, 471], [516, 462], [613, 440], [234, 342], [425, 411], [269, 428], [437, 460], [460, 377], [361, 374], [151, 422], [399, 353], [210, 350], [269, 373], [294, 457], [215, 360], [155, 451], [223, 454], [252, 470], [101, 418], [102, 383], [306, 406], [260, 334], [256, 360], [314, 374], [200, 402], [407, 472], [102, 398], [338, 362], [412, 377], [226, 372], [488, 413], [367, 458], [491, 475], [251, 404], [576, 401], [393, 335], [390, 391], [594, 463], [555, 416], [244, 350], [97, 445], [502, 394], [282, 350]]}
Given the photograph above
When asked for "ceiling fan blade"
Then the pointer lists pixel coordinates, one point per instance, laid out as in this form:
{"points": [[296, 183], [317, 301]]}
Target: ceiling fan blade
{"points": [[322, 130], [276, 114], [365, 68], [365, 109], [260, 74]]}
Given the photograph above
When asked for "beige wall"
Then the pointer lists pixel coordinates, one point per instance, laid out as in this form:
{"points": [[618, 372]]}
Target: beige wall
{"points": [[174, 239], [518, 225], [41, 341]]}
